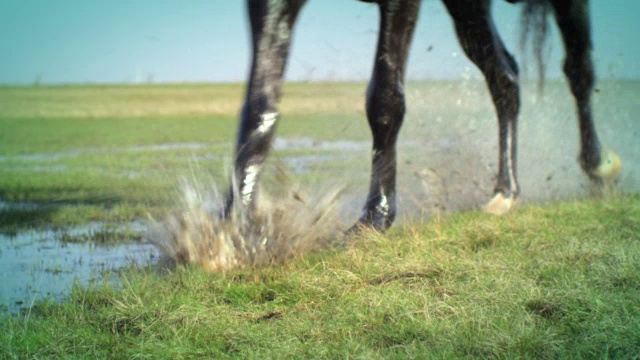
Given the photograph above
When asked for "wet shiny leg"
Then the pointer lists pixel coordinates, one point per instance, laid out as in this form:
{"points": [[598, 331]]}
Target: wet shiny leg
{"points": [[386, 108], [482, 44], [271, 28]]}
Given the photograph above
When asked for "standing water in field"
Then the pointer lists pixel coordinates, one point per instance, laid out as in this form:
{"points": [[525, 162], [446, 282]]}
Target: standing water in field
{"points": [[35, 265]]}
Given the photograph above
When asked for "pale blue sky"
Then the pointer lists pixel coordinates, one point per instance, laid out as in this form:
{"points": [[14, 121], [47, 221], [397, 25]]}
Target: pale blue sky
{"points": [[124, 41]]}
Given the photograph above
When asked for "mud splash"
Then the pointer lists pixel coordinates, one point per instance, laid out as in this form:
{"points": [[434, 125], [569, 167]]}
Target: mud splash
{"points": [[290, 227]]}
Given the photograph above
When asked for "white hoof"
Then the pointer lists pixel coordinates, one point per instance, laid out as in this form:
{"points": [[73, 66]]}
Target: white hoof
{"points": [[610, 166], [499, 205]]}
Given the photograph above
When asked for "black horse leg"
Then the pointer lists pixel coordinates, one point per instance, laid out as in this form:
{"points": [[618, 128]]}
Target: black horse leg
{"points": [[481, 43], [271, 28], [599, 163], [386, 107]]}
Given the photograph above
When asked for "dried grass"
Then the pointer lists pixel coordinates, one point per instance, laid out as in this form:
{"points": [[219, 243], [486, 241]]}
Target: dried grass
{"points": [[289, 226]]}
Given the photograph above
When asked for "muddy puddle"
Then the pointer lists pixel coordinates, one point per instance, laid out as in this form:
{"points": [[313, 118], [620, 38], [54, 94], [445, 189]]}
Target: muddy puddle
{"points": [[46, 263]]}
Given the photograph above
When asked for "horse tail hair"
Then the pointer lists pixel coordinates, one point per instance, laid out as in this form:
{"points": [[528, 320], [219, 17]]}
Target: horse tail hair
{"points": [[534, 32]]}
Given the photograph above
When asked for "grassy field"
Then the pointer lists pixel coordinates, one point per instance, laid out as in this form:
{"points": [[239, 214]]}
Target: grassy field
{"points": [[560, 280]]}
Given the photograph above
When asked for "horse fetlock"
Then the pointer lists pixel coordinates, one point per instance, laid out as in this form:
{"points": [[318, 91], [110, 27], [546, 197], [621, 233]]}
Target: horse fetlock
{"points": [[500, 204]]}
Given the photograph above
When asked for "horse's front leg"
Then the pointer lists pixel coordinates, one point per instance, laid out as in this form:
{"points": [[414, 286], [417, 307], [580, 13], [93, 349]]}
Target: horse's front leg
{"points": [[386, 107], [601, 164], [271, 29], [482, 44]]}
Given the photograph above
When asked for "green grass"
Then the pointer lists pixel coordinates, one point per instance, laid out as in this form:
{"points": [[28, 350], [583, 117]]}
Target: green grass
{"points": [[559, 281]]}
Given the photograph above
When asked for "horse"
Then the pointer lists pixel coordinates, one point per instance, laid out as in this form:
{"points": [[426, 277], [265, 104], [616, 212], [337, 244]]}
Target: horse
{"points": [[272, 23]]}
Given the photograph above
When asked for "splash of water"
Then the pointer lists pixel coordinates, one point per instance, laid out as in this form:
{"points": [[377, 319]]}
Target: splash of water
{"points": [[289, 226]]}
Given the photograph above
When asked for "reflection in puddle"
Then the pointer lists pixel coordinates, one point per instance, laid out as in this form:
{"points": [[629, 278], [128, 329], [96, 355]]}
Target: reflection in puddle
{"points": [[37, 264]]}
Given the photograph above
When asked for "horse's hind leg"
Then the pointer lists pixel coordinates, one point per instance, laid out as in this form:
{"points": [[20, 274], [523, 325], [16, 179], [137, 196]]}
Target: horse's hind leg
{"points": [[600, 164], [271, 28], [482, 44], [386, 108]]}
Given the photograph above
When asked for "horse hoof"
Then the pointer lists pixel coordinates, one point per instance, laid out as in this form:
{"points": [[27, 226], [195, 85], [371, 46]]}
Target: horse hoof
{"points": [[371, 220], [361, 226], [609, 168], [499, 204], [356, 229]]}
